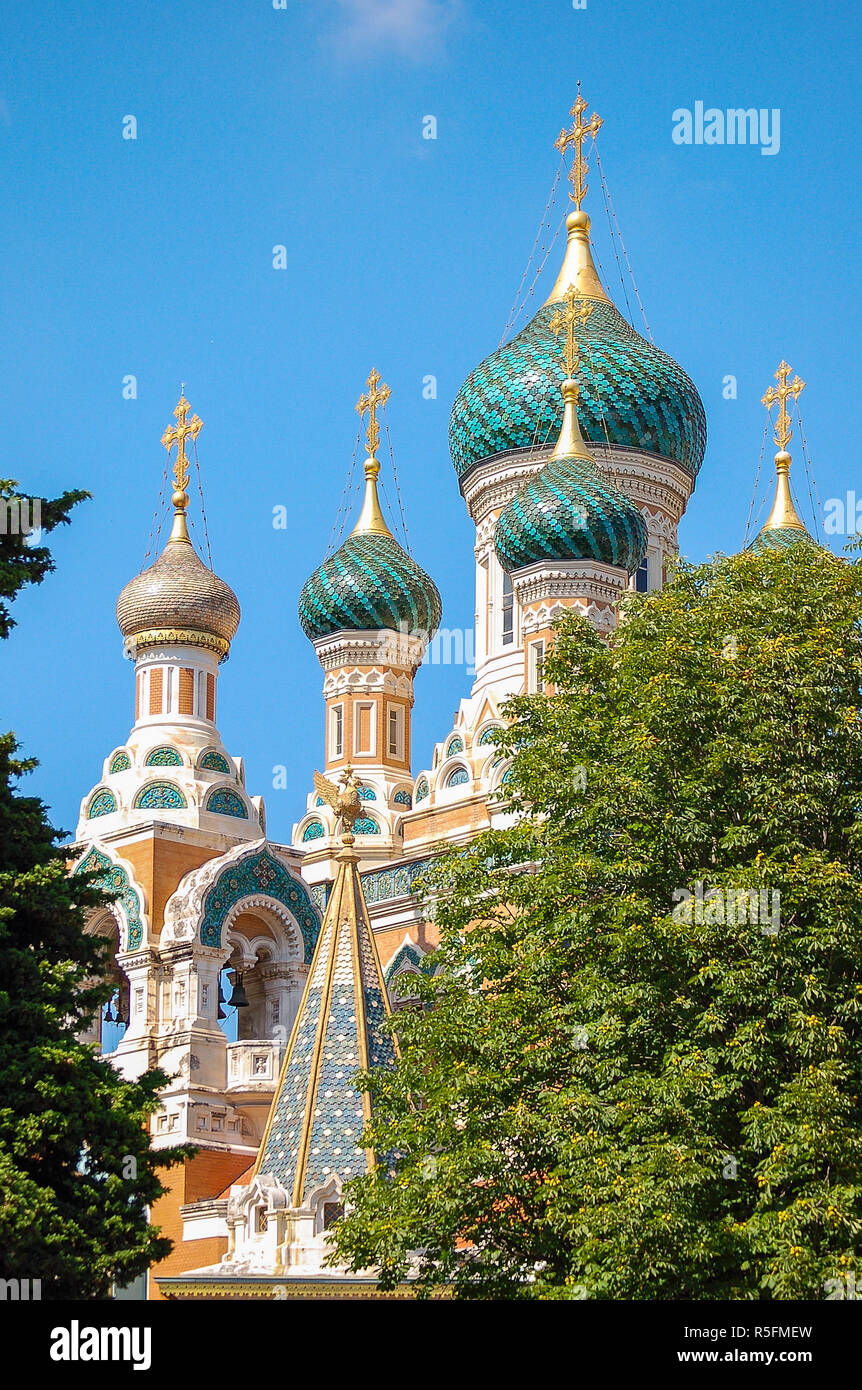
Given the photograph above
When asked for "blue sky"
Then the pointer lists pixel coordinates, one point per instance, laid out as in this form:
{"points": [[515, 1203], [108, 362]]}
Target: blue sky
{"points": [[302, 126]]}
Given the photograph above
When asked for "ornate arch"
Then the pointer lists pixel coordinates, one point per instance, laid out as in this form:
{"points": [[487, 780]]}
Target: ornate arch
{"points": [[270, 906], [129, 905], [204, 901]]}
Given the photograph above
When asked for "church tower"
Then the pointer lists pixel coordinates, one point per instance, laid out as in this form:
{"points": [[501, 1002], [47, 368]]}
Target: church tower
{"points": [[208, 912], [553, 460], [370, 612]]}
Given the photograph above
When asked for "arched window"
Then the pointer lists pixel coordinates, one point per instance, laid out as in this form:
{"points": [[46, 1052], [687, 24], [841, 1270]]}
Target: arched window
{"points": [[313, 831], [422, 789], [508, 611], [458, 778], [490, 735], [367, 794], [456, 745], [121, 762], [403, 799]]}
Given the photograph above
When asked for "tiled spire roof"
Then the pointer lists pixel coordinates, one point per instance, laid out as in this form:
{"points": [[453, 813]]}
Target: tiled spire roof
{"points": [[317, 1116]]}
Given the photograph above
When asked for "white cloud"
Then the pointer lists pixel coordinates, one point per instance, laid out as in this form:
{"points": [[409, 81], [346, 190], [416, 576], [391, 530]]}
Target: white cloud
{"points": [[414, 27]]}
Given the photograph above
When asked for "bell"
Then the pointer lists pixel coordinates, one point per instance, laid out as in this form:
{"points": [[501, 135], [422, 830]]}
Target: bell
{"points": [[121, 1013], [221, 1013], [238, 999], [109, 1016]]}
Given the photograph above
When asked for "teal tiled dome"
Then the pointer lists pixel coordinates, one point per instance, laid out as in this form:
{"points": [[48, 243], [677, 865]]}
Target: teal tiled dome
{"points": [[570, 512], [780, 538], [369, 583], [629, 388]]}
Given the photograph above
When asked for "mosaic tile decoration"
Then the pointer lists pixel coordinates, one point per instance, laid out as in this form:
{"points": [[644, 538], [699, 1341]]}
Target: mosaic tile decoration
{"points": [[569, 511], [367, 794], [456, 745], [225, 802], [369, 583], [317, 1115], [121, 762], [780, 538], [403, 799], [512, 400], [116, 880], [458, 778], [160, 796], [490, 735], [422, 789], [104, 803], [164, 757], [259, 873], [380, 884], [214, 762], [366, 826], [313, 831]]}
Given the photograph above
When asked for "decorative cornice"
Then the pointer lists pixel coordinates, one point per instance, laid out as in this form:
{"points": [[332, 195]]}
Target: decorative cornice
{"points": [[401, 651], [579, 579], [176, 636]]}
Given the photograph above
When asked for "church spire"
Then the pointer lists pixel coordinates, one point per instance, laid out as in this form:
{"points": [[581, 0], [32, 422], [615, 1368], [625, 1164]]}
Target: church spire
{"points": [[317, 1116], [784, 513], [371, 520], [570, 443], [578, 269]]}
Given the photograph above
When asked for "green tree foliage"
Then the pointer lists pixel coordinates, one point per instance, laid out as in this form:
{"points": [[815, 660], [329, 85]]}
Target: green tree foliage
{"points": [[609, 1092], [76, 1169]]}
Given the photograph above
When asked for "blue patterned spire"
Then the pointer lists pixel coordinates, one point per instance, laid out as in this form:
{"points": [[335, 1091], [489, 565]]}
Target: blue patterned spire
{"points": [[317, 1116]]}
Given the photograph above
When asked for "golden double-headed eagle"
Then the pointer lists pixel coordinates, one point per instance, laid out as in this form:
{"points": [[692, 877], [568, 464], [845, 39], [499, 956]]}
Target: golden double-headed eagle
{"points": [[342, 796]]}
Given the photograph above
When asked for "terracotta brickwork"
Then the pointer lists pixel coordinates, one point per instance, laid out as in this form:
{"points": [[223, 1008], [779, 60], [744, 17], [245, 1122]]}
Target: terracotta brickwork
{"points": [[187, 690], [199, 1178]]}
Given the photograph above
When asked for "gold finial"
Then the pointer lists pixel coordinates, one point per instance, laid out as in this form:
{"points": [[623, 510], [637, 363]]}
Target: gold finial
{"points": [[577, 310], [369, 402], [371, 521], [782, 393], [784, 513], [571, 442], [576, 136], [178, 434]]}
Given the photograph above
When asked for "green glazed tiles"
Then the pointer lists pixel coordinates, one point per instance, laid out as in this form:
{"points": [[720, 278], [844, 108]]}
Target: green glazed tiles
{"points": [[370, 582], [634, 390], [570, 512]]}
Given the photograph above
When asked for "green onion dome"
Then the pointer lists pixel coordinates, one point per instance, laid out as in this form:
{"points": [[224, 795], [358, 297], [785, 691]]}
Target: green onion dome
{"points": [[632, 394], [780, 538], [569, 511], [370, 582]]}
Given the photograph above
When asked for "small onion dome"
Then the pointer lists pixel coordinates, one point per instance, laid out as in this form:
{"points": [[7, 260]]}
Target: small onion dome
{"points": [[370, 582], [632, 394], [784, 526], [569, 511], [178, 600]]}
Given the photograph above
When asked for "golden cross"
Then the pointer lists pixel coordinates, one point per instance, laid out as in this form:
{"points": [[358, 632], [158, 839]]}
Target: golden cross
{"points": [[576, 136], [177, 434], [577, 310], [369, 403], [780, 394]]}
